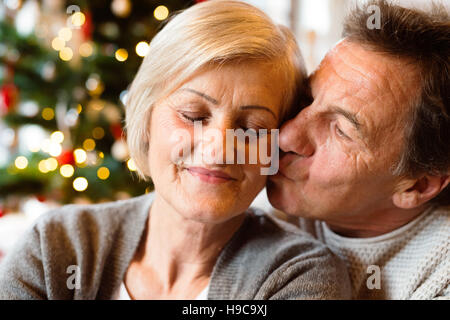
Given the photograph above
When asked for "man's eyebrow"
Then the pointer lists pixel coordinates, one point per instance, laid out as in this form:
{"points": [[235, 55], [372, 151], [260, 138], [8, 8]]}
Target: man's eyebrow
{"points": [[350, 117], [260, 108], [203, 95]]}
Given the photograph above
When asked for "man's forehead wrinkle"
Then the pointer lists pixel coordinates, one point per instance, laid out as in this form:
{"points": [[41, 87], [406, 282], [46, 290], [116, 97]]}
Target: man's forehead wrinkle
{"points": [[364, 81], [389, 73], [391, 85], [351, 92], [343, 96], [361, 90], [379, 79], [383, 68], [401, 78]]}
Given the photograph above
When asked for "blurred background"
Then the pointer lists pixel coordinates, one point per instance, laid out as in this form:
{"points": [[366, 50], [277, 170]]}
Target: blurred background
{"points": [[64, 71]]}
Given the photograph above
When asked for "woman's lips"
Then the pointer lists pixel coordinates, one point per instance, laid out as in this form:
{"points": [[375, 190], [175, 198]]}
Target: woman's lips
{"points": [[210, 176]]}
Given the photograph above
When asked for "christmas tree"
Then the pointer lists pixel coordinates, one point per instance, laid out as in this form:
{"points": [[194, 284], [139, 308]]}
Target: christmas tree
{"points": [[64, 72]]}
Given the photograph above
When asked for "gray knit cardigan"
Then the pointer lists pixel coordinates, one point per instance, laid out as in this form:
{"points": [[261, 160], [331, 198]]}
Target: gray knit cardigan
{"points": [[266, 258]]}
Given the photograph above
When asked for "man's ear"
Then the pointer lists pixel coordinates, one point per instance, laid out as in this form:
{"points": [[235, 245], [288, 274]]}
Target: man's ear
{"points": [[413, 193]]}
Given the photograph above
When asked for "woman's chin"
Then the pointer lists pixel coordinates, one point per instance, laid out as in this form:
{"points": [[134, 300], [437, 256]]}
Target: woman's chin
{"points": [[216, 210], [208, 201]]}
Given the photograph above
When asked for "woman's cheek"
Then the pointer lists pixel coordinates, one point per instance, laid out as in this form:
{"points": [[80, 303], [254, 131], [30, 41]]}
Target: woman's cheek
{"points": [[253, 177], [267, 150], [171, 135]]}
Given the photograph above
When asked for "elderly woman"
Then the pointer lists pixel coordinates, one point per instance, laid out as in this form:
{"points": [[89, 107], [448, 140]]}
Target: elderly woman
{"points": [[222, 65]]}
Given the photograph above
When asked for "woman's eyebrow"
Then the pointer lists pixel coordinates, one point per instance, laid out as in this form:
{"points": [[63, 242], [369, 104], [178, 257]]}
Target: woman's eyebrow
{"points": [[260, 108], [214, 101], [203, 95]]}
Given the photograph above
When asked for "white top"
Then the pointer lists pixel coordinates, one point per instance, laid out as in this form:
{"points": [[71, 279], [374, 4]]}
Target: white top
{"points": [[123, 293], [413, 261]]}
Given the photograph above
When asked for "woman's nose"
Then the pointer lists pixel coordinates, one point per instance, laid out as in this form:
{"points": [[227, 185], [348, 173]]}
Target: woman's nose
{"points": [[295, 135], [215, 144]]}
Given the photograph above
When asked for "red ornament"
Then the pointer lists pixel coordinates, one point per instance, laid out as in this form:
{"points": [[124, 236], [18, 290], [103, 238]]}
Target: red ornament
{"points": [[66, 157], [87, 27], [8, 98], [116, 130], [2, 212]]}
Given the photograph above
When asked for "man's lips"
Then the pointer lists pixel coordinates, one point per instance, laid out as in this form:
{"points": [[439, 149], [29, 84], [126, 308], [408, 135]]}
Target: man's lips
{"points": [[289, 161], [279, 175], [211, 176]]}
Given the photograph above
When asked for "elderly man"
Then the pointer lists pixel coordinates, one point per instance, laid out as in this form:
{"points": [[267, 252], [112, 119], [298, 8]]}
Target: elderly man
{"points": [[366, 164]]}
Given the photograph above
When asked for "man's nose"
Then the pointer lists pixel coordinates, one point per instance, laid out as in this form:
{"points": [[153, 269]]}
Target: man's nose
{"points": [[295, 135]]}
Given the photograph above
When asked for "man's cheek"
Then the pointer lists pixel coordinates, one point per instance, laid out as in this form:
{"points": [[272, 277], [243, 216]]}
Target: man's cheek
{"points": [[335, 167], [325, 177]]}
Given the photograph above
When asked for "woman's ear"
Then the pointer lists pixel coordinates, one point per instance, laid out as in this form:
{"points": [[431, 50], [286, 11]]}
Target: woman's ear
{"points": [[413, 193]]}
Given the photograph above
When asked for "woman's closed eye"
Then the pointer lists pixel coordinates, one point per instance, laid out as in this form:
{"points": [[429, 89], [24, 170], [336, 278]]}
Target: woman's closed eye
{"points": [[249, 128], [192, 117]]}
